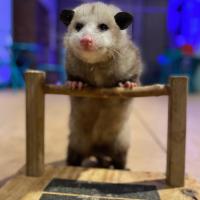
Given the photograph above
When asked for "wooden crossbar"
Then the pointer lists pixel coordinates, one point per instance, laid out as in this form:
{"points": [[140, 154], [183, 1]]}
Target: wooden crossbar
{"points": [[176, 90], [153, 90]]}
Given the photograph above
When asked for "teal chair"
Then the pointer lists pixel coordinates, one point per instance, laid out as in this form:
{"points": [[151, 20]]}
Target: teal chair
{"points": [[17, 50]]}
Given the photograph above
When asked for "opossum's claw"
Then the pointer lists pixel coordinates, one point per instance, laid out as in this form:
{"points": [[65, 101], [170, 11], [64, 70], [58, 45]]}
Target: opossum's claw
{"points": [[128, 84], [75, 85]]}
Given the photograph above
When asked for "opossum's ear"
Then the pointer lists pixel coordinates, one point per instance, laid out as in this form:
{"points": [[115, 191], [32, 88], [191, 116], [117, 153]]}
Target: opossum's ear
{"points": [[66, 16], [123, 20]]}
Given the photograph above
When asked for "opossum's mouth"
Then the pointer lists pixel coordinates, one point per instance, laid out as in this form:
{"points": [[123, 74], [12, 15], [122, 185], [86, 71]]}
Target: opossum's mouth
{"points": [[93, 49], [89, 49], [91, 55]]}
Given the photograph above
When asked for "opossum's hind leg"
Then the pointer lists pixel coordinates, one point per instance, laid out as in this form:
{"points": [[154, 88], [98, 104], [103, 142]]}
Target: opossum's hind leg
{"points": [[74, 158], [119, 159]]}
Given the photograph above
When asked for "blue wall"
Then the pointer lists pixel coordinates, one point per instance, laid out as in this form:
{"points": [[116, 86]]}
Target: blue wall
{"points": [[184, 23], [5, 28], [51, 6]]}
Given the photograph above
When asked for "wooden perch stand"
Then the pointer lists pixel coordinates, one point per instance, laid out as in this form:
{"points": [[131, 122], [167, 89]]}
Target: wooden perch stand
{"points": [[176, 90], [45, 182], [154, 90]]}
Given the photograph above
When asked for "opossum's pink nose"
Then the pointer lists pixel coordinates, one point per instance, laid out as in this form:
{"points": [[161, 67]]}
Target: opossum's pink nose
{"points": [[86, 41]]}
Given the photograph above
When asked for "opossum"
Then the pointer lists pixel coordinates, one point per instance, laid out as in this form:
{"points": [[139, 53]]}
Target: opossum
{"points": [[99, 54]]}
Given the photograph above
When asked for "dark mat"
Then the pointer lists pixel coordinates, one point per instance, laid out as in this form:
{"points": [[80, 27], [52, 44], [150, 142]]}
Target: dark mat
{"points": [[60, 197], [62, 186], [57, 197]]}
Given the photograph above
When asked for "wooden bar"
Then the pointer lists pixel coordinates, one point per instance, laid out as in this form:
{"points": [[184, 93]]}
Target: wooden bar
{"points": [[177, 131], [34, 123], [140, 91]]}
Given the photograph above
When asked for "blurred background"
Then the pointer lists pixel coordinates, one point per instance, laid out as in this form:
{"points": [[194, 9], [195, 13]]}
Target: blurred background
{"points": [[167, 32]]}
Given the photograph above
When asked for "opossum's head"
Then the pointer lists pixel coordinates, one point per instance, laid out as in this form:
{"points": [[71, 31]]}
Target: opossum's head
{"points": [[95, 30]]}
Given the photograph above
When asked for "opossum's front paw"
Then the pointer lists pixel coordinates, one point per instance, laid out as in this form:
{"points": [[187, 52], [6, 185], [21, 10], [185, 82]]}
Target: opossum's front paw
{"points": [[75, 85], [128, 84]]}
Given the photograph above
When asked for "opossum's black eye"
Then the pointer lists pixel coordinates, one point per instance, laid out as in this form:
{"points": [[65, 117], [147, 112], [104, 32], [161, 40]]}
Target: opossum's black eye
{"points": [[103, 27], [79, 26]]}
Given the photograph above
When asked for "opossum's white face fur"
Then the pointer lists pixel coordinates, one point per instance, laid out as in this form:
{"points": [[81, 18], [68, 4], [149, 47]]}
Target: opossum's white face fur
{"points": [[95, 30]]}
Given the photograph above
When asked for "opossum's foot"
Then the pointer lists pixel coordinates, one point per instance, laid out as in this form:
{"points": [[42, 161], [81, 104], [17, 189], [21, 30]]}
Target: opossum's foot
{"points": [[119, 160], [90, 162], [97, 162], [119, 164], [75, 85], [128, 84], [104, 161], [74, 158]]}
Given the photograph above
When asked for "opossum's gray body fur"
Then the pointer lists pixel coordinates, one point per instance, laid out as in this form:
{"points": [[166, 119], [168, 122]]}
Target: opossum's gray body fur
{"points": [[99, 127]]}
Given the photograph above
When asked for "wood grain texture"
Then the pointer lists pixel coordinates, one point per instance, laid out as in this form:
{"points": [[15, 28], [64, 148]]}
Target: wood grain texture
{"points": [[29, 188], [177, 131], [140, 91], [34, 123]]}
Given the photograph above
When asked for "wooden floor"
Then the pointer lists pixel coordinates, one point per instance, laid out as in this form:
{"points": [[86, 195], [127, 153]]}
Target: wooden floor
{"points": [[148, 149], [58, 183]]}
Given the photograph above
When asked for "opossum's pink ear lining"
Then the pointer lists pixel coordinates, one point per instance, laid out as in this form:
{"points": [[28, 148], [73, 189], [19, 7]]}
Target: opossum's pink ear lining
{"points": [[123, 20], [66, 16]]}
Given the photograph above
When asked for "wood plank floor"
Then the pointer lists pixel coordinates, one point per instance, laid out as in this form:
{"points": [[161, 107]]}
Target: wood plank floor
{"points": [[89, 183], [148, 148]]}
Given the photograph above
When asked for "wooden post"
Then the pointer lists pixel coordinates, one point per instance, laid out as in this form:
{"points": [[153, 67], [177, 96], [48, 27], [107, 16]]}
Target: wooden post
{"points": [[34, 123], [177, 131]]}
